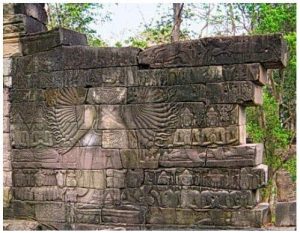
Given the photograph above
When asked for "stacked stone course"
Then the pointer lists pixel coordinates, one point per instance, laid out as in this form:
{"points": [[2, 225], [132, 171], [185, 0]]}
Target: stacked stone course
{"points": [[153, 139]]}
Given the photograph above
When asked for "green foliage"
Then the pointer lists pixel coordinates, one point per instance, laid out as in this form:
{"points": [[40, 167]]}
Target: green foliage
{"points": [[263, 125], [280, 18], [78, 17], [290, 166]]}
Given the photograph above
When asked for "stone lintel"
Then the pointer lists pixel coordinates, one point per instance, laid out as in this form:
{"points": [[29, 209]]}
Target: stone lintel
{"points": [[270, 50]]}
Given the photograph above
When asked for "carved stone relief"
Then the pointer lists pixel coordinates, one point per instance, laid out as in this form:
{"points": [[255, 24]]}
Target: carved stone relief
{"points": [[105, 137]]}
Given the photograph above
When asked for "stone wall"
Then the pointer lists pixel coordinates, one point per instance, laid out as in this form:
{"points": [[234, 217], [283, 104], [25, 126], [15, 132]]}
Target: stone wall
{"points": [[285, 206], [153, 139], [18, 21]]}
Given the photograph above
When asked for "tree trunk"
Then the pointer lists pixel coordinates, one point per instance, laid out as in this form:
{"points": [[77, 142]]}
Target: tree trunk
{"points": [[177, 9]]}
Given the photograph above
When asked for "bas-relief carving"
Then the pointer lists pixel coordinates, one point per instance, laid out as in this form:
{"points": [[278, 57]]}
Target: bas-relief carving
{"points": [[188, 197], [107, 138]]}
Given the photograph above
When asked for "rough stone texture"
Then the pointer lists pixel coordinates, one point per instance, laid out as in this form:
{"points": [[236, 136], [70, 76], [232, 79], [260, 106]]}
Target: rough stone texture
{"points": [[20, 24], [21, 225], [286, 188], [33, 10], [270, 50], [285, 214], [99, 139], [42, 42]]}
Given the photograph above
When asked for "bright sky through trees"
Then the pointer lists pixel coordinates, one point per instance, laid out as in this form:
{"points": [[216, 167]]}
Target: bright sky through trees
{"points": [[127, 20]]}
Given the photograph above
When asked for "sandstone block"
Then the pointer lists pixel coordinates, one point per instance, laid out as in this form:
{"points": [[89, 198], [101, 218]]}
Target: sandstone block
{"points": [[23, 209], [21, 225], [122, 216], [35, 158], [256, 217], [246, 178], [6, 108], [98, 57], [115, 178], [200, 75], [115, 139], [285, 214], [183, 158], [106, 95], [235, 156], [52, 212], [20, 24], [12, 47], [88, 216], [270, 50], [183, 93], [7, 179], [7, 82], [45, 41], [133, 158], [7, 66], [111, 117], [245, 72], [91, 179], [243, 92], [6, 91], [6, 125], [35, 10], [134, 178], [7, 196], [286, 188], [108, 77]]}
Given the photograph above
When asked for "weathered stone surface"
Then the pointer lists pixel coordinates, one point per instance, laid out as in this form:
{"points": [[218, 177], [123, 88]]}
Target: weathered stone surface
{"points": [[27, 95], [238, 156], [270, 50], [34, 10], [12, 47], [6, 125], [6, 91], [7, 196], [7, 64], [52, 212], [285, 213], [106, 95], [91, 179], [20, 24], [23, 209], [200, 75], [184, 93], [115, 178], [21, 225], [134, 178], [88, 216], [242, 92], [108, 77], [70, 58], [99, 139], [286, 188], [122, 215], [214, 217], [244, 178], [6, 108], [133, 158], [190, 197], [183, 158], [45, 41], [7, 178], [115, 139], [38, 158], [7, 81], [50, 193]]}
